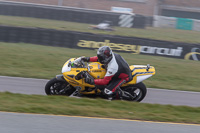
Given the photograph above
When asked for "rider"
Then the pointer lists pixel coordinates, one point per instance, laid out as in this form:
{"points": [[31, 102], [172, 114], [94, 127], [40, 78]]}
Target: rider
{"points": [[118, 71]]}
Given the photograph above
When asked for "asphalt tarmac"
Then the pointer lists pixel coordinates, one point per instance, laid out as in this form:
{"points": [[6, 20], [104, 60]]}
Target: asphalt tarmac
{"points": [[37, 123], [157, 96]]}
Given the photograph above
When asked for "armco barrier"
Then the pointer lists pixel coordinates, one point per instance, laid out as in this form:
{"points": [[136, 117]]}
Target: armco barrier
{"points": [[81, 40], [165, 22], [70, 14], [196, 26], [178, 23]]}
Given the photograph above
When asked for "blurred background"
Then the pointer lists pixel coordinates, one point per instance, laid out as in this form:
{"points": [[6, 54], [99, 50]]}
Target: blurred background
{"points": [[151, 9], [143, 31], [170, 8]]}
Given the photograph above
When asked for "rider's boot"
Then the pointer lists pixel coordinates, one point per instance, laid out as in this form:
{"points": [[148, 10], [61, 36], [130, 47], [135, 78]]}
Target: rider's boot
{"points": [[109, 94]]}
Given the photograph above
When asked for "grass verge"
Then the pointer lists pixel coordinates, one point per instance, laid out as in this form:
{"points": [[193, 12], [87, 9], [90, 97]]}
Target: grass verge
{"points": [[61, 105], [36, 61], [152, 33]]}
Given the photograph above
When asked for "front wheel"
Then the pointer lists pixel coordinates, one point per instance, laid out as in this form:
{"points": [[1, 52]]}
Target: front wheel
{"points": [[58, 87], [136, 92]]}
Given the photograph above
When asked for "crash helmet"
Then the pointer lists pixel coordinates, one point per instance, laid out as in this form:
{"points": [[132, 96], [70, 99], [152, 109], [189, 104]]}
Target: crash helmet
{"points": [[104, 54]]}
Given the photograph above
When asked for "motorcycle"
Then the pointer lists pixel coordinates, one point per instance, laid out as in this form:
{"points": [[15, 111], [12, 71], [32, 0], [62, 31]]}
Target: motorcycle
{"points": [[71, 82]]}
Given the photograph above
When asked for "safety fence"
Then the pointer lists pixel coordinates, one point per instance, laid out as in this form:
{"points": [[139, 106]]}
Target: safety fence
{"points": [[177, 23], [71, 14], [81, 40]]}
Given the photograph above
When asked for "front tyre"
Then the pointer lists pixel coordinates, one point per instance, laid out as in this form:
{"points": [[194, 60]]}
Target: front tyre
{"points": [[58, 87], [137, 92]]}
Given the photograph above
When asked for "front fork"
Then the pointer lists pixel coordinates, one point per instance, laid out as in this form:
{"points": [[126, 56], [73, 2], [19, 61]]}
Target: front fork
{"points": [[60, 77]]}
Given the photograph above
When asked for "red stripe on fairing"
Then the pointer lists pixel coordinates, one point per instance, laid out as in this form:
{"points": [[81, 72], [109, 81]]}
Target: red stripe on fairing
{"points": [[103, 81], [114, 89], [94, 59]]}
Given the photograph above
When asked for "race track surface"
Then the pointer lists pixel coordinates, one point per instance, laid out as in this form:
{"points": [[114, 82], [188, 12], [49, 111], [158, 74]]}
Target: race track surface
{"points": [[39, 123], [32, 123], [158, 96]]}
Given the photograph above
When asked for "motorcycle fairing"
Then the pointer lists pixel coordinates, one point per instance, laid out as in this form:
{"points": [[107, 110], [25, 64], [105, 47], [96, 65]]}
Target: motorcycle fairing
{"points": [[139, 73]]}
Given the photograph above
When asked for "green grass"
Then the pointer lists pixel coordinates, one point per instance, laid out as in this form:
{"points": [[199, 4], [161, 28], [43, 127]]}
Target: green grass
{"points": [[152, 33], [61, 105], [36, 61]]}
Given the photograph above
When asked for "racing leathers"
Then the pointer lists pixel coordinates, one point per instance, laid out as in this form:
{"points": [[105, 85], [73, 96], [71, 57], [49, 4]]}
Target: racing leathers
{"points": [[118, 72]]}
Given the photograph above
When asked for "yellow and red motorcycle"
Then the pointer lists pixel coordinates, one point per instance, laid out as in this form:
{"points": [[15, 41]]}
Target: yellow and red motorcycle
{"points": [[71, 82]]}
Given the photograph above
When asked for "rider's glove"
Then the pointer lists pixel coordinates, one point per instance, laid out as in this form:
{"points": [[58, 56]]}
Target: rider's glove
{"points": [[85, 59], [88, 78], [89, 81]]}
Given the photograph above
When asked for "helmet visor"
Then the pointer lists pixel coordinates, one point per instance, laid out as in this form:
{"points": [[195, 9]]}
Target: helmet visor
{"points": [[101, 58]]}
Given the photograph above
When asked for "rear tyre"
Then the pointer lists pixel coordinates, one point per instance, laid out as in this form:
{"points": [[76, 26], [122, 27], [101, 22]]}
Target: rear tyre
{"points": [[58, 87], [138, 92]]}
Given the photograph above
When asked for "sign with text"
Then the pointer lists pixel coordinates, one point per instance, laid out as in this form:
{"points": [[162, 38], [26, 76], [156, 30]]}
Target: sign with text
{"points": [[122, 10], [83, 40]]}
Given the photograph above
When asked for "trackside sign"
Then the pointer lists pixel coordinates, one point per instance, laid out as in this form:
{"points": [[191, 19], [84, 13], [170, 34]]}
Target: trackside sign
{"points": [[134, 49], [166, 49], [83, 40]]}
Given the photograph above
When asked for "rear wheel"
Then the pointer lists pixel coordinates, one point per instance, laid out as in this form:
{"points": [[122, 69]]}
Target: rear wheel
{"points": [[137, 92], [58, 87]]}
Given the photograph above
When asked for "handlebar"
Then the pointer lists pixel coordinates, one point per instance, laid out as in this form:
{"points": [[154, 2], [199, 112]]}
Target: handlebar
{"points": [[79, 62]]}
